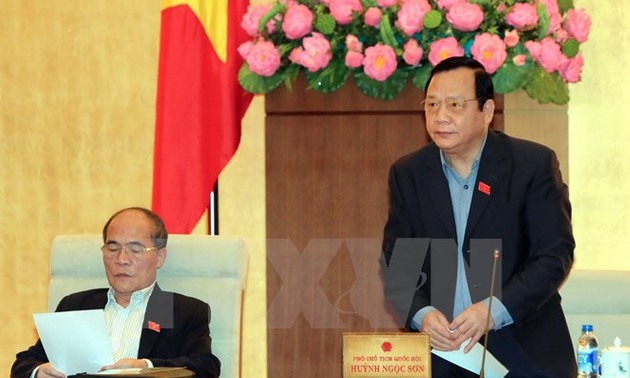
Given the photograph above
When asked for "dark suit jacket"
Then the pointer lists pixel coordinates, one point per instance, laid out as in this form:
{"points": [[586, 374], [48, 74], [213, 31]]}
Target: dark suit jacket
{"points": [[524, 203], [183, 339]]}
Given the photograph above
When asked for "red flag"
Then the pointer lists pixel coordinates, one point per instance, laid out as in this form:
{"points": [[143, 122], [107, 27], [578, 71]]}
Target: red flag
{"points": [[199, 105]]}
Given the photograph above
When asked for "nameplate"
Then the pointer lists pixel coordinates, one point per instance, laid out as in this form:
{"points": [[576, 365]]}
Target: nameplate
{"points": [[378, 354]]}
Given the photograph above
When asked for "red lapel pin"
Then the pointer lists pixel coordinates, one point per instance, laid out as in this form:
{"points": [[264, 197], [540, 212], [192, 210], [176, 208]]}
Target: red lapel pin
{"points": [[484, 188], [153, 326]]}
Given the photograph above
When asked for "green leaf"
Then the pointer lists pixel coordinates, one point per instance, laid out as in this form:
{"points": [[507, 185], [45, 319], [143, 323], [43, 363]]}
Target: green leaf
{"points": [[325, 23], [387, 35], [258, 84], [330, 78], [511, 77], [565, 5], [547, 88], [384, 90], [289, 76], [262, 24], [421, 76], [432, 19], [571, 48], [543, 20]]}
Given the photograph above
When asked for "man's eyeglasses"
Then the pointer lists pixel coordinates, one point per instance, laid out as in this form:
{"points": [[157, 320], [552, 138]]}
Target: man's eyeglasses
{"points": [[453, 105], [133, 249]]}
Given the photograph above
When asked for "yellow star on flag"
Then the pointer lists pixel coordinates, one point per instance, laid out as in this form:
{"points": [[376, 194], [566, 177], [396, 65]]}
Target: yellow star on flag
{"points": [[213, 15]]}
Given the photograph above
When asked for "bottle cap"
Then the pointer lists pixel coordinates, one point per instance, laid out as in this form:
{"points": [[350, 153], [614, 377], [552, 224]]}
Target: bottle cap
{"points": [[587, 328]]}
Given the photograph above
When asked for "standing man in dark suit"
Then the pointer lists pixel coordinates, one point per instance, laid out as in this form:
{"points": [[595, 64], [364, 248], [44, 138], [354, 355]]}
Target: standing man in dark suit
{"points": [[472, 183], [148, 327]]}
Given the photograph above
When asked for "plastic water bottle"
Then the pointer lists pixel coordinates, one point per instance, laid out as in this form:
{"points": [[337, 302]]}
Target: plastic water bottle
{"points": [[588, 353]]}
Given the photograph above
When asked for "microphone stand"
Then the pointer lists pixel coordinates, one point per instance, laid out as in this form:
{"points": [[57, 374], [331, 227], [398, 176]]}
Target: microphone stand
{"points": [[482, 373]]}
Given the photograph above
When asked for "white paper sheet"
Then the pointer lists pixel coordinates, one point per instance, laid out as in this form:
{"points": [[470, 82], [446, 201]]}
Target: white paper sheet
{"points": [[75, 341], [471, 361]]}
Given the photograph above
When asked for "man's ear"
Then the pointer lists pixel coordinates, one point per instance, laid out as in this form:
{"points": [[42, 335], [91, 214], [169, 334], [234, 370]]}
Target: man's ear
{"points": [[161, 255], [488, 111]]}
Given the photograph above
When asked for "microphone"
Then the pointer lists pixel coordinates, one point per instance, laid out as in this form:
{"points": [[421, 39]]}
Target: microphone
{"points": [[482, 373]]}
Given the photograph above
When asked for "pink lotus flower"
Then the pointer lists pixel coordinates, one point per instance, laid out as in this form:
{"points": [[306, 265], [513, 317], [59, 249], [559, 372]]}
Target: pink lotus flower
{"points": [[489, 50], [314, 54], [551, 57], [519, 59], [444, 48], [353, 59], [379, 62], [343, 10], [263, 58], [572, 70], [534, 49], [578, 24], [522, 16], [465, 16], [555, 22], [372, 16], [252, 18], [386, 3], [245, 48], [353, 43], [561, 36], [511, 38], [447, 4], [411, 14], [550, 5], [297, 21], [555, 18], [412, 53]]}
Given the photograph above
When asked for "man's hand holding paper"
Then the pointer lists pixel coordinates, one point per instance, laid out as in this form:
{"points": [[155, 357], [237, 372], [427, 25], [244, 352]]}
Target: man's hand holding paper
{"points": [[471, 325], [75, 342]]}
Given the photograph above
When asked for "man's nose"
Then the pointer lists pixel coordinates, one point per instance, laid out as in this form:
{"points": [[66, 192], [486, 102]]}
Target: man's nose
{"points": [[442, 112], [440, 117], [123, 257]]}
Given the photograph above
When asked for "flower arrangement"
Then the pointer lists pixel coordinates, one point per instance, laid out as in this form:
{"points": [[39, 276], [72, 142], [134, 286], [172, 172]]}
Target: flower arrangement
{"points": [[528, 44]]}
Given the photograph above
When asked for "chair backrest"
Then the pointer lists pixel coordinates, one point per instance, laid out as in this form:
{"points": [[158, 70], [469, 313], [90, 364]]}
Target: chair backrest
{"points": [[210, 268], [600, 298]]}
